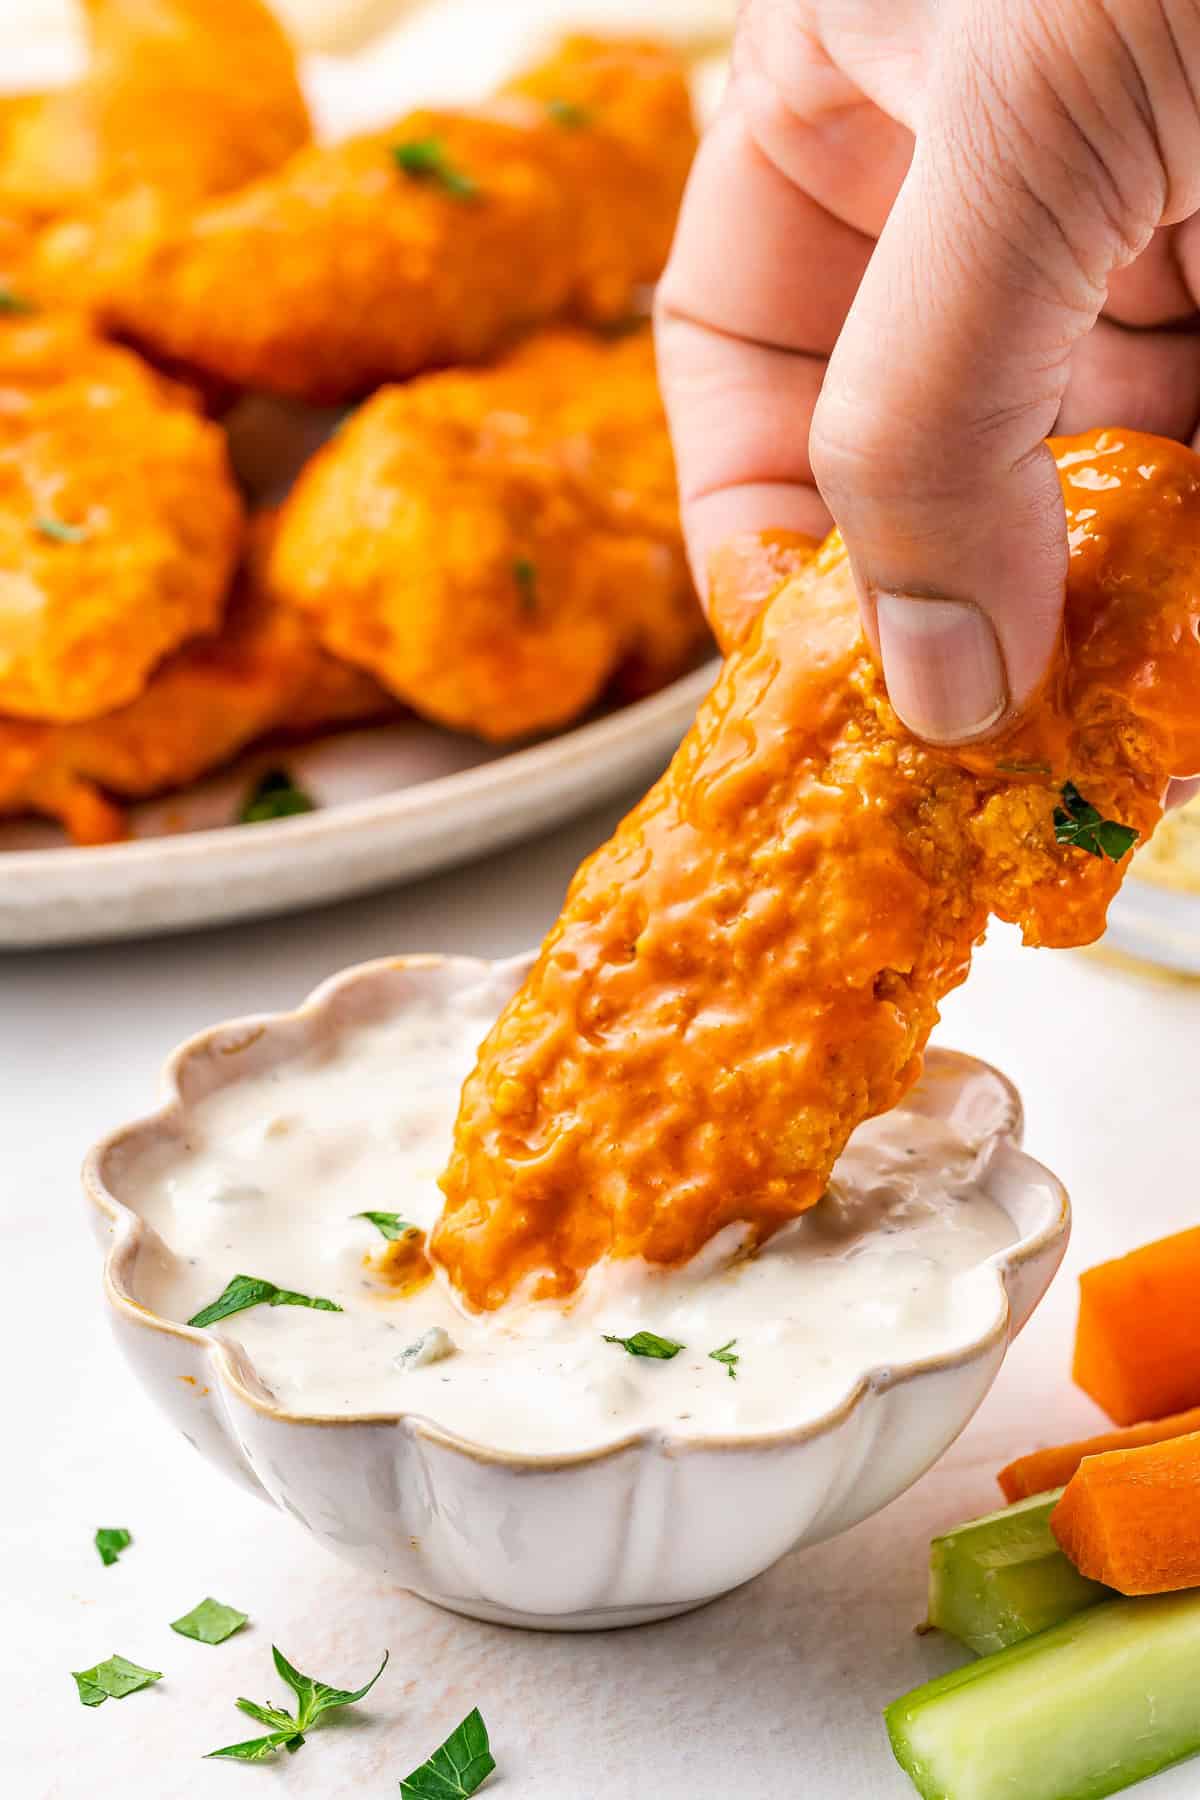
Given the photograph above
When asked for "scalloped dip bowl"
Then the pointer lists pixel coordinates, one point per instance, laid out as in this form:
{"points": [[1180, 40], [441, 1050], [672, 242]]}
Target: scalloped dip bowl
{"points": [[519, 1467]]}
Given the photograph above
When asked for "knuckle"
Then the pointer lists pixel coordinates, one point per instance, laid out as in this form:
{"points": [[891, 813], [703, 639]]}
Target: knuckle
{"points": [[857, 454]]}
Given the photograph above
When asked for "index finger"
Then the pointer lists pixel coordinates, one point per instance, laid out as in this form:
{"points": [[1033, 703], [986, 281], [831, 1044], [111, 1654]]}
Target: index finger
{"points": [[759, 280]]}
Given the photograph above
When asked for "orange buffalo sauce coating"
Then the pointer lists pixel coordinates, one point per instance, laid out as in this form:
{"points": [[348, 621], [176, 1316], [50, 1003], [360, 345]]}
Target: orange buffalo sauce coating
{"points": [[402, 1265], [752, 965]]}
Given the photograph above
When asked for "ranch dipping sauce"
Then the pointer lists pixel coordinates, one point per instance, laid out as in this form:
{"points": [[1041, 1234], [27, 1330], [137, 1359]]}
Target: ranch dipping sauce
{"points": [[885, 1269]]}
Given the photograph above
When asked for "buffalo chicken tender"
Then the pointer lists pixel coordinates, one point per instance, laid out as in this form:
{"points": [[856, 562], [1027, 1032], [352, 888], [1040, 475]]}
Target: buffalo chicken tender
{"points": [[190, 98], [119, 522], [264, 674], [434, 241], [752, 966], [496, 545], [184, 100]]}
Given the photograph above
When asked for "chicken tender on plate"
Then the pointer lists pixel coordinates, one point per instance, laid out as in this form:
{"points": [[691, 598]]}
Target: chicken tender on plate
{"points": [[431, 242], [497, 545], [183, 100], [119, 522], [753, 964], [190, 98], [264, 674]]}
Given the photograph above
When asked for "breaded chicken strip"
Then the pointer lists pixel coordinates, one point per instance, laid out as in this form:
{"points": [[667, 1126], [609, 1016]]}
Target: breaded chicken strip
{"points": [[189, 98], [496, 545], [17, 245], [752, 966], [264, 674], [119, 522], [184, 100], [434, 241]]}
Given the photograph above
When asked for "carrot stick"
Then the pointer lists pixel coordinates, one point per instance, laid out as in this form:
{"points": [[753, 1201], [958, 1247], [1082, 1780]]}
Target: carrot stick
{"points": [[1137, 1343], [1131, 1518], [1054, 1467]]}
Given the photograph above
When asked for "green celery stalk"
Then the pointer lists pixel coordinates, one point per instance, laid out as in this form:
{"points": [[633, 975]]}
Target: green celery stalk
{"points": [[1002, 1578], [1083, 1710]]}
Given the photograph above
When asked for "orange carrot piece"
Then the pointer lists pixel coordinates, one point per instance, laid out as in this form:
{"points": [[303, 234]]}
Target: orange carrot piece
{"points": [[1053, 1468], [1137, 1343], [1131, 1518]]}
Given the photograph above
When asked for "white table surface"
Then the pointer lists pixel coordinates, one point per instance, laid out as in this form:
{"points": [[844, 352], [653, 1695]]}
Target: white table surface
{"points": [[776, 1690]]}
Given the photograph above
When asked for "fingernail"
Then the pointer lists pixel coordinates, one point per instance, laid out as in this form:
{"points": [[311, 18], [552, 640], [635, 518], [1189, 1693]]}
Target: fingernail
{"points": [[942, 664]]}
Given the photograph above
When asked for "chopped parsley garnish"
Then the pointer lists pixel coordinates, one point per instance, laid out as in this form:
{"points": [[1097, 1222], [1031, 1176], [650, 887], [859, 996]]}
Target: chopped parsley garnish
{"points": [[648, 1343], [525, 576], [112, 1680], [210, 1622], [1078, 824], [110, 1541], [457, 1768], [59, 532], [250, 1290], [425, 159], [391, 1225], [13, 303], [568, 114], [275, 796], [726, 1355], [313, 1698], [259, 1748]]}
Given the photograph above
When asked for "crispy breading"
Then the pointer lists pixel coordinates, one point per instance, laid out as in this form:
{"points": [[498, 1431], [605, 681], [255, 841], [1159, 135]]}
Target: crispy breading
{"points": [[119, 521], [263, 674], [434, 241], [752, 966], [17, 248], [183, 100], [496, 545], [190, 98]]}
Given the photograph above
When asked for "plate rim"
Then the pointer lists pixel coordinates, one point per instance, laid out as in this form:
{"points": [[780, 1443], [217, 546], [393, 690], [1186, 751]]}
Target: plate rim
{"points": [[549, 755]]}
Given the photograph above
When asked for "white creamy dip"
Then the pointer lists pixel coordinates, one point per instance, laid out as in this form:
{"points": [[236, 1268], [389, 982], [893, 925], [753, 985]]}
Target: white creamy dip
{"points": [[887, 1268]]}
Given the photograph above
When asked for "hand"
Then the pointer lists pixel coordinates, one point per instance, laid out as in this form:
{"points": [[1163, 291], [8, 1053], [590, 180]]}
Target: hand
{"points": [[921, 235]]}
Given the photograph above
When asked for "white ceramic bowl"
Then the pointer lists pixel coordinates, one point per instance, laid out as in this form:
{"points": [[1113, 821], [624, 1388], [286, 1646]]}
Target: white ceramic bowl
{"points": [[608, 1535]]}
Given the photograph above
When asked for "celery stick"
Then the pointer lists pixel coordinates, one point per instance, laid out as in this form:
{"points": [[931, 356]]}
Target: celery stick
{"points": [[1083, 1710], [999, 1579]]}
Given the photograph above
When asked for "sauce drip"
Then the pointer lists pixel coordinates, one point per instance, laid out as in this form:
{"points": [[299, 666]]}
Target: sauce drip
{"points": [[752, 966]]}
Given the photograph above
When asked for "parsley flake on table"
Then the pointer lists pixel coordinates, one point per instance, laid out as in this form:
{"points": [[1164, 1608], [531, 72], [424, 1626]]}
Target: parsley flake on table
{"points": [[457, 1768], [210, 1622], [425, 159], [245, 1291], [568, 114], [648, 1343], [727, 1356], [258, 1749], [313, 1698], [391, 1225], [1078, 825], [275, 796], [59, 531], [112, 1680], [110, 1540]]}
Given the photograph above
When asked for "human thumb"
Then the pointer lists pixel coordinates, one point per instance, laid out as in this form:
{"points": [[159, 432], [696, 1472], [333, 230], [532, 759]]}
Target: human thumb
{"points": [[927, 441]]}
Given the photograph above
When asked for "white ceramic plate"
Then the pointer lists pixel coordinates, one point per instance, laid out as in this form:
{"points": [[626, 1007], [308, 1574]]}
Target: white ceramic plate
{"points": [[400, 801], [395, 803], [1156, 924]]}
